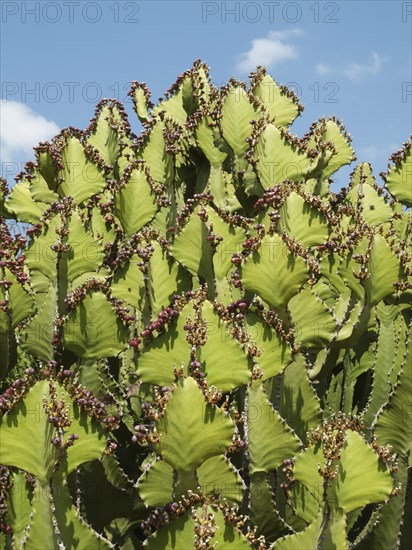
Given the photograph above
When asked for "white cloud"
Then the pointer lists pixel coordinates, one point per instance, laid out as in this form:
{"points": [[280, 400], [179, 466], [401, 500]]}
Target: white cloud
{"points": [[354, 71], [268, 51], [21, 129], [322, 69], [373, 153]]}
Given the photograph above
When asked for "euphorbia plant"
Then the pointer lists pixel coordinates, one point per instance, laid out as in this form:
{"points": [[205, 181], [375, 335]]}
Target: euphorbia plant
{"points": [[202, 345]]}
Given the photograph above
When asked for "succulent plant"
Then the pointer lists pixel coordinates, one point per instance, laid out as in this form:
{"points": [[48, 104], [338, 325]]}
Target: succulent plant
{"points": [[202, 345]]}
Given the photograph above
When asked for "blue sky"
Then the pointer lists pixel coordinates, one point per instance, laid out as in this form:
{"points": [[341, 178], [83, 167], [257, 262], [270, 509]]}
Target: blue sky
{"points": [[349, 58]]}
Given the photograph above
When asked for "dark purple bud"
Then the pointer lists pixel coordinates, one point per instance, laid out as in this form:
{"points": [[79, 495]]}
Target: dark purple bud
{"points": [[134, 342], [67, 373]]}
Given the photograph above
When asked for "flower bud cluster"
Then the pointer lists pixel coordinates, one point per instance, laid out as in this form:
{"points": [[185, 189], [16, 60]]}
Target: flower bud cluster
{"points": [[164, 319], [6, 484], [57, 411], [13, 394], [205, 528], [164, 515], [85, 399]]}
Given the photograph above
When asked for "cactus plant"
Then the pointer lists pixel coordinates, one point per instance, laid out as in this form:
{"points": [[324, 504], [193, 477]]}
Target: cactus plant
{"points": [[202, 345]]}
